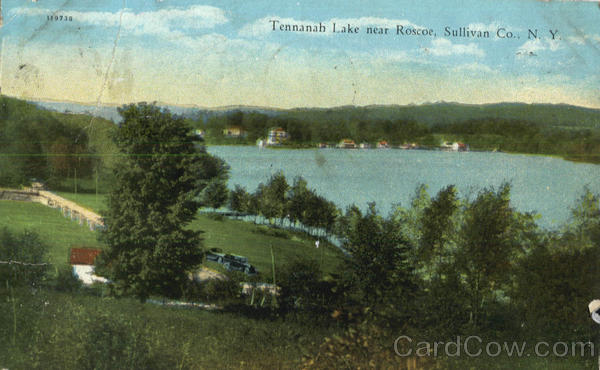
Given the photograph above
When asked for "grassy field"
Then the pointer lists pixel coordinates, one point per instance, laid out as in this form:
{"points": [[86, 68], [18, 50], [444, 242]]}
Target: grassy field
{"points": [[87, 200], [243, 238], [252, 241], [237, 237], [58, 231]]}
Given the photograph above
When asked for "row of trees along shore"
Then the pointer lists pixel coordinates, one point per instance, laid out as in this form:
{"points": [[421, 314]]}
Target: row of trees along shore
{"points": [[442, 267], [279, 202]]}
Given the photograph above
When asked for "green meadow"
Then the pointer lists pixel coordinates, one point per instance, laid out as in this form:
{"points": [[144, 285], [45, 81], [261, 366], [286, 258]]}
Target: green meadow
{"points": [[92, 202], [231, 236], [59, 232]]}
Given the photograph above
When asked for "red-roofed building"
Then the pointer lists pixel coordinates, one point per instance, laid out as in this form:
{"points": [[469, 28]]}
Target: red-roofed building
{"points": [[346, 144], [83, 256], [383, 145], [82, 262]]}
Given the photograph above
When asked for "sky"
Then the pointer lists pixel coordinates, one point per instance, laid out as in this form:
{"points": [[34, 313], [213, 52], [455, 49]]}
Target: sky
{"points": [[222, 53]]}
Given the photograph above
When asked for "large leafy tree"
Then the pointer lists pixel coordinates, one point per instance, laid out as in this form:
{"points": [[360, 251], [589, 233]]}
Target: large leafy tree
{"points": [[584, 229], [298, 196], [214, 184], [379, 259], [273, 202], [436, 225], [239, 200], [156, 194], [490, 239]]}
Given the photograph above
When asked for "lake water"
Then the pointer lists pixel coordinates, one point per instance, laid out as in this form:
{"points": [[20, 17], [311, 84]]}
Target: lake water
{"points": [[546, 185]]}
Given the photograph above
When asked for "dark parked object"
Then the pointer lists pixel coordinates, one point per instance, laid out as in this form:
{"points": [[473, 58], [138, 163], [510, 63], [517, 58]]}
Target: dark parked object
{"points": [[232, 262]]}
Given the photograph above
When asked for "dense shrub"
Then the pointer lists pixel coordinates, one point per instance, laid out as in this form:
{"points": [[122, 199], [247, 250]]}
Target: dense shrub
{"points": [[22, 258], [113, 343], [552, 291], [302, 288], [361, 347], [271, 231], [66, 281], [215, 290]]}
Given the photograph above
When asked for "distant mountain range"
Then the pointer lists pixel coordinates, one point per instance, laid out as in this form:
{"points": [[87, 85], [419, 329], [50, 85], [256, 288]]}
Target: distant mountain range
{"points": [[110, 112], [558, 115]]}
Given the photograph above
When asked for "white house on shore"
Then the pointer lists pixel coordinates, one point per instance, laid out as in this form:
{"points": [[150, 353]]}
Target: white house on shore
{"points": [[454, 147], [277, 136]]}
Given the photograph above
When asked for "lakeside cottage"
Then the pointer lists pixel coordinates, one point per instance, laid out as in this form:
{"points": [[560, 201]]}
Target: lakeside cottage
{"points": [[383, 145], [454, 147], [409, 146], [234, 132], [346, 144], [277, 136]]}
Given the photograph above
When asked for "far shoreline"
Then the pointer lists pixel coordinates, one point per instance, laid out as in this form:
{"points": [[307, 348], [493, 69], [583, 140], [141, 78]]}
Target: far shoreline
{"points": [[594, 160]]}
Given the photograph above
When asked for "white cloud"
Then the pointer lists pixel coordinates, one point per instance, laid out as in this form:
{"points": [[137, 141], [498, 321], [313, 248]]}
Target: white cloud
{"points": [[163, 22], [445, 47], [264, 26], [492, 28], [583, 39], [532, 47], [473, 67]]}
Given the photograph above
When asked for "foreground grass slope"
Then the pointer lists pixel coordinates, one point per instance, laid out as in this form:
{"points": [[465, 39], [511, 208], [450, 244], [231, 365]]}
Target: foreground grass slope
{"points": [[56, 330], [42, 328], [52, 330]]}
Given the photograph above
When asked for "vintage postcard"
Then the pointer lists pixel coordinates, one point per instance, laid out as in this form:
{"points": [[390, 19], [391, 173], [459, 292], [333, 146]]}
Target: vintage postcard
{"points": [[299, 184]]}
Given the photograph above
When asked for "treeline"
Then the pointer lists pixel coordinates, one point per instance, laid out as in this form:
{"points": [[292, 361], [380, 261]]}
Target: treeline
{"points": [[525, 137], [491, 133], [304, 132], [49, 147]]}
